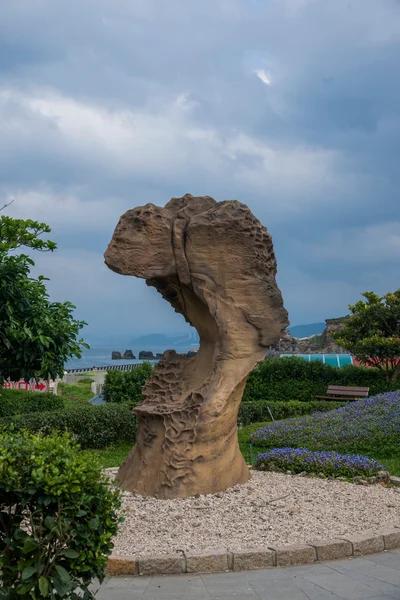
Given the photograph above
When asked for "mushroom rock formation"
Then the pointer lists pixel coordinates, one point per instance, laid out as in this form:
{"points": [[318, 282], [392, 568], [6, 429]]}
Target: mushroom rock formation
{"points": [[214, 262]]}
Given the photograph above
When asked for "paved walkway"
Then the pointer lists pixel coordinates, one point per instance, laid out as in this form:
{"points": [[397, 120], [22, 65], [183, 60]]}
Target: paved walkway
{"points": [[376, 577]]}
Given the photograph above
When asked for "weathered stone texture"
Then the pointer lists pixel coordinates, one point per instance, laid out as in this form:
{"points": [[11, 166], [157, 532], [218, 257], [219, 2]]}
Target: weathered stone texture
{"points": [[214, 263], [207, 562], [253, 558], [332, 549], [162, 565], [366, 543], [295, 554]]}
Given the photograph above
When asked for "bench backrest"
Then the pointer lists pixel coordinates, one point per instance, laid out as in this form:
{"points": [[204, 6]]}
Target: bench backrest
{"points": [[340, 390]]}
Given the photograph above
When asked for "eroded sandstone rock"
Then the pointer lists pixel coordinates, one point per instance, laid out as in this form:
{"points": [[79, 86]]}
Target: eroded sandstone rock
{"points": [[214, 263]]}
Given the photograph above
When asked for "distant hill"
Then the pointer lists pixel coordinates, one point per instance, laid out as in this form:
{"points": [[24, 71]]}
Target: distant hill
{"points": [[159, 340], [302, 331]]}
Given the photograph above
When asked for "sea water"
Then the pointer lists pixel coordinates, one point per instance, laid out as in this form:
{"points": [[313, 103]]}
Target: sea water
{"points": [[100, 356]]}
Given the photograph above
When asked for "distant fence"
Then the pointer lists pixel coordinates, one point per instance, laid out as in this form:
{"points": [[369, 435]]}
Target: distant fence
{"points": [[96, 369]]}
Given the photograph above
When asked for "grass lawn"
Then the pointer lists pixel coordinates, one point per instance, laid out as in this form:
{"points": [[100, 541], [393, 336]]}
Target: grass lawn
{"points": [[391, 464], [113, 457], [79, 392]]}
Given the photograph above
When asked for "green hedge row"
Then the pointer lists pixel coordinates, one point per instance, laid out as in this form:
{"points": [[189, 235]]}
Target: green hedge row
{"points": [[18, 402], [284, 379], [91, 426], [252, 412]]}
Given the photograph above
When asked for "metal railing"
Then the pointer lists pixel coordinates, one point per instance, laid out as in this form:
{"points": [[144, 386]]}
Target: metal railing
{"points": [[101, 369]]}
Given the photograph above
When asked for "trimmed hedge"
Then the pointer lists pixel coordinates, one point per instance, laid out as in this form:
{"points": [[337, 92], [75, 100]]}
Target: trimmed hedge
{"points": [[284, 379], [91, 426], [251, 412], [18, 402]]}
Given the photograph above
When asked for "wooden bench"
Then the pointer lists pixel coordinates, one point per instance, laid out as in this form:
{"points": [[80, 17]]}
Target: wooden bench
{"points": [[339, 392]]}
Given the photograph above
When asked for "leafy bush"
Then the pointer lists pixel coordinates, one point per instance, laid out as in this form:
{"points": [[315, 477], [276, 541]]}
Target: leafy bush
{"points": [[126, 386], [57, 517], [91, 426], [370, 426], [18, 402], [294, 378], [251, 412], [300, 460]]}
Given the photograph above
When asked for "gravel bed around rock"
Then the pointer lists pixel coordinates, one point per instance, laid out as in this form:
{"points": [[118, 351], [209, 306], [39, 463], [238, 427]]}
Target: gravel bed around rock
{"points": [[271, 508]]}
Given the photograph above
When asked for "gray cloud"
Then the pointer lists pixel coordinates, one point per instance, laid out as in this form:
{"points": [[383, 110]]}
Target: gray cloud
{"points": [[107, 105]]}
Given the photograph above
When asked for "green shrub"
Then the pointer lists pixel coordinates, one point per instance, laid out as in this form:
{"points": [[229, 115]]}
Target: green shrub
{"points": [[57, 514], [294, 378], [251, 412], [18, 402], [91, 426], [126, 386]]}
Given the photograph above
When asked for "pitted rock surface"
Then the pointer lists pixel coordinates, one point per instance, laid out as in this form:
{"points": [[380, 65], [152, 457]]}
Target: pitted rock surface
{"points": [[214, 263]]}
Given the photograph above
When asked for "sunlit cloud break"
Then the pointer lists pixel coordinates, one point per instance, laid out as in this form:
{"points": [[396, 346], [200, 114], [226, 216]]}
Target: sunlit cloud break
{"points": [[263, 75]]}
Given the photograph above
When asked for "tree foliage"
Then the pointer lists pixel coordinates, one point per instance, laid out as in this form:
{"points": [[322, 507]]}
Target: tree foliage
{"points": [[127, 386], [372, 332], [36, 336]]}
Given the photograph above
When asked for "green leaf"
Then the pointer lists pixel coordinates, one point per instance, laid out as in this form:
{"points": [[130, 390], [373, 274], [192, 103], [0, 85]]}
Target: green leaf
{"points": [[62, 588], [63, 574], [27, 573], [94, 523], [44, 586], [50, 522], [29, 545], [70, 553]]}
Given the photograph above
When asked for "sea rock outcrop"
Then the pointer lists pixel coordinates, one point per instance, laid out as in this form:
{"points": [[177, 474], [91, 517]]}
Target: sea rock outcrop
{"points": [[315, 344], [214, 263], [146, 355], [116, 355], [128, 355]]}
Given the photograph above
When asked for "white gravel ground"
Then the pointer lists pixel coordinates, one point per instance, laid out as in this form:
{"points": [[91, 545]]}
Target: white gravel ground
{"points": [[270, 508]]}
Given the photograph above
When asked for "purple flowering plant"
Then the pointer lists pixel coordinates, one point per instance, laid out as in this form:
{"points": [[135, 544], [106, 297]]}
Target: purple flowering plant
{"points": [[300, 460], [370, 426]]}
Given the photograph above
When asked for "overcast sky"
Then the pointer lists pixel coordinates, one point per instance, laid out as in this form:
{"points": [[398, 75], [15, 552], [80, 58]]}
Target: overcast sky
{"points": [[290, 106]]}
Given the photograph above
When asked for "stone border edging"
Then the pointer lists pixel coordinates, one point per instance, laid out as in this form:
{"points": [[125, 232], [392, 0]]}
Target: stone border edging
{"points": [[257, 558]]}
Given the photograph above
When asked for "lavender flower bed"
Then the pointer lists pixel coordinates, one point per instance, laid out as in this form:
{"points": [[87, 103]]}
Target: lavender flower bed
{"points": [[366, 426], [300, 460]]}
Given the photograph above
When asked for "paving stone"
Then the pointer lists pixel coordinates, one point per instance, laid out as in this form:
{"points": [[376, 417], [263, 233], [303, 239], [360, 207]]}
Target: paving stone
{"points": [[366, 543], [122, 565], [355, 579], [206, 562], [253, 558], [295, 554], [342, 586], [332, 549], [162, 565], [364, 576]]}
